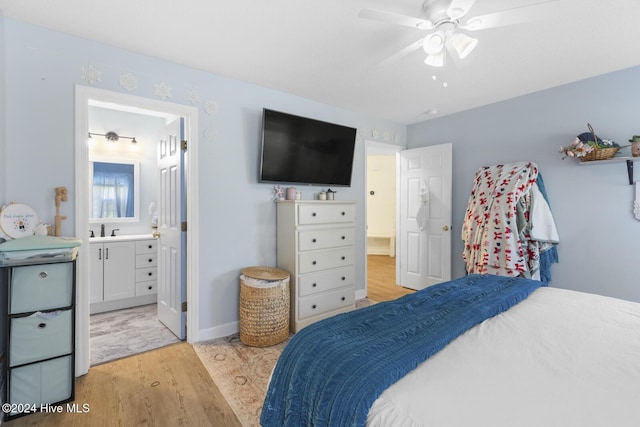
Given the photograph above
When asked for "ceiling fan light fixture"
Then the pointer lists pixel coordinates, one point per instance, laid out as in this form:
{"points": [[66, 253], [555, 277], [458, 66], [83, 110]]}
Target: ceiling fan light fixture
{"points": [[435, 60], [433, 43], [463, 44]]}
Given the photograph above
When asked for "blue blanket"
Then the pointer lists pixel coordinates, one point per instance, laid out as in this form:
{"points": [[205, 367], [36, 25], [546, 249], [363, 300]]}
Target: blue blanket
{"points": [[332, 371]]}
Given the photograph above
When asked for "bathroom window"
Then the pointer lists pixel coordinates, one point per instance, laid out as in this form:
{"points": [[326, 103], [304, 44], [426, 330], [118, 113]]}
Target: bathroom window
{"points": [[114, 190]]}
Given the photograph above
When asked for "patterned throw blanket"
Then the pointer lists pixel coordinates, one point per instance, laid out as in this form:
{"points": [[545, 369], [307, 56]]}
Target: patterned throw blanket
{"points": [[332, 371]]}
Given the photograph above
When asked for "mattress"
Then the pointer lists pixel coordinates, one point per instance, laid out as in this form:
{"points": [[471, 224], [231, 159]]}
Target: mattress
{"points": [[559, 358]]}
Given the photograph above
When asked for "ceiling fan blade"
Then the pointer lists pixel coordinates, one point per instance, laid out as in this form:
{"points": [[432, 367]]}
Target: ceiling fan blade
{"points": [[396, 18], [459, 8], [402, 53], [517, 15]]}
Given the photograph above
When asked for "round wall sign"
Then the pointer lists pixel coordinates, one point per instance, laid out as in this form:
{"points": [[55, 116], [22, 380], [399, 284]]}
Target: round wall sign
{"points": [[18, 220]]}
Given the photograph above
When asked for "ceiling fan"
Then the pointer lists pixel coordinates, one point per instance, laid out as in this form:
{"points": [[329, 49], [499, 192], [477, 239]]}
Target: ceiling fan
{"points": [[445, 18]]}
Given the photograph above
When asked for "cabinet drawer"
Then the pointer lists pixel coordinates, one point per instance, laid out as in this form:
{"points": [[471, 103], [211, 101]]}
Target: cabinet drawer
{"points": [[145, 274], [45, 382], [324, 239], [147, 260], [146, 288], [314, 283], [41, 287], [318, 304], [40, 336], [146, 246], [326, 214], [323, 260]]}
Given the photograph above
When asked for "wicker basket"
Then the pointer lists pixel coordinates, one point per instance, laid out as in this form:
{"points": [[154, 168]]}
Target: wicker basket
{"points": [[600, 154], [264, 306]]}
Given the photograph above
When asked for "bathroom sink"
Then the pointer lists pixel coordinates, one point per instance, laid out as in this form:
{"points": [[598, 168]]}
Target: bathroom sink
{"points": [[123, 237]]}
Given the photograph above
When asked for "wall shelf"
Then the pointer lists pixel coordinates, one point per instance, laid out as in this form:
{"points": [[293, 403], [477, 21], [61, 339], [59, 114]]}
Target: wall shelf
{"points": [[628, 160]]}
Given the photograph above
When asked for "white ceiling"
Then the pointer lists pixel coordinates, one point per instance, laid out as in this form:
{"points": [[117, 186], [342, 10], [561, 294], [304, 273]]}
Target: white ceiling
{"points": [[321, 50]]}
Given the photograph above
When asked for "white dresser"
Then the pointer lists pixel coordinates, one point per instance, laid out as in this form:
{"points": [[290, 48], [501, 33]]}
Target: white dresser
{"points": [[316, 246]]}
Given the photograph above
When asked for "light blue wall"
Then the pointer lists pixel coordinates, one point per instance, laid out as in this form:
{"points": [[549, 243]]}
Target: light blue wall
{"points": [[237, 214], [2, 109], [592, 205]]}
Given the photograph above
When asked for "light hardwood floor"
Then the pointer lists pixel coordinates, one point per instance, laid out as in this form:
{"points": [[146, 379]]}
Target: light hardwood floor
{"points": [[164, 387], [170, 386], [381, 279]]}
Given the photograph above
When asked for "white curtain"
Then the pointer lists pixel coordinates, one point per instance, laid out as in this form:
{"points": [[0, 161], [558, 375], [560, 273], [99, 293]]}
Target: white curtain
{"points": [[112, 192]]}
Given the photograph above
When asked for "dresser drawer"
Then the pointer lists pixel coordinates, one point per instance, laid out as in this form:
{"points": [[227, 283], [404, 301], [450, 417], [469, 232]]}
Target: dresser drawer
{"points": [[40, 336], [324, 239], [314, 283], [146, 288], [318, 304], [147, 246], [146, 260], [45, 382], [326, 214], [41, 287], [322, 260], [145, 274]]}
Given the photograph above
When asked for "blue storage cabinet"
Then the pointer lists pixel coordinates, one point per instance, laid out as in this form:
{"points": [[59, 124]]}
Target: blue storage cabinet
{"points": [[39, 314]]}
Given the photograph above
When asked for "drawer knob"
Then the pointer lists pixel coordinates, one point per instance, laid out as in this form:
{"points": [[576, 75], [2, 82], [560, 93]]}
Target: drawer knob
{"points": [[313, 240], [344, 257], [43, 274], [150, 260], [313, 262], [343, 237], [343, 213], [344, 298], [313, 306], [150, 287], [313, 214], [344, 278], [150, 246], [150, 273], [42, 325], [314, 285]]}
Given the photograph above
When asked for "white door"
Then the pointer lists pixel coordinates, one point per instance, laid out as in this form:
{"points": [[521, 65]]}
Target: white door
{"points": [[172, 239], [424, 246]]}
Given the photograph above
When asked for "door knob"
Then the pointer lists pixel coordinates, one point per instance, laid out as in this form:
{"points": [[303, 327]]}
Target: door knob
{"points": [[156, 234], [445, 228]]}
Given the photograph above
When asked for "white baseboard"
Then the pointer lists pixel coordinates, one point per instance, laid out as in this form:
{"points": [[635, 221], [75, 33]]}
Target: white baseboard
{"points": [[361, 293]]}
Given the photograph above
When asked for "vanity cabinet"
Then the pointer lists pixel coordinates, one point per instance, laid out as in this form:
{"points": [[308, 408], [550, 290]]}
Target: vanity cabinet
{"points": [[39, 366], [112, 271], [123, 273], [315, 244]]}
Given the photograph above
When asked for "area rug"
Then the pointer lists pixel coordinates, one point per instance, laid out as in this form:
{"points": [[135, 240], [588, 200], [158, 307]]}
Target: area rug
{"points": [[242, 372], [122, 333]]}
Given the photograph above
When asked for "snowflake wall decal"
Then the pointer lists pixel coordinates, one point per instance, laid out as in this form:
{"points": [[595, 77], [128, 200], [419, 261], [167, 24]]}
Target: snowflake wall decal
{"points": [[210, 107], [193, 97], [128, 81], [90, 74], [162, 90]]}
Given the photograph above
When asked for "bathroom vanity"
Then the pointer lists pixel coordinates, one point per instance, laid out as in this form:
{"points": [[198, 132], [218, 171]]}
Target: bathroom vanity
{"points": [[123, 272]]}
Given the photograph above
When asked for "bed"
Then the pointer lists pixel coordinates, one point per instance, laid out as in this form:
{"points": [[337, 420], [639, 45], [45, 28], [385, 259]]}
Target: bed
{"points": [[542, 356]]}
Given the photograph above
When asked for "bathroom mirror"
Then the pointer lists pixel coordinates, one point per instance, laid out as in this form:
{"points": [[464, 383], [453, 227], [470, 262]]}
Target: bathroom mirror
{"points": [[115, 190]]}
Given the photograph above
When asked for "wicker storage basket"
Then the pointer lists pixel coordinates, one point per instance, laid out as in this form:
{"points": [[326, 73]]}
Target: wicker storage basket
{"points": [[600, 154], [264, 306]]}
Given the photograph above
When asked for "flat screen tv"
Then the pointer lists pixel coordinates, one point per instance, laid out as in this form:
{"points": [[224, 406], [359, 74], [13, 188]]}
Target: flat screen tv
{"points": [[300, 150]]}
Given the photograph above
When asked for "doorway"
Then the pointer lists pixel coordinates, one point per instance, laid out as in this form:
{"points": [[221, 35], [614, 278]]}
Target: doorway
{"points": [[86, 98], [381, 212]]}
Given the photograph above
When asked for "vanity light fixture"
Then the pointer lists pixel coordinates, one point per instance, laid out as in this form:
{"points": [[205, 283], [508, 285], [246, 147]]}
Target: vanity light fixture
{"points": [[113, 137]]}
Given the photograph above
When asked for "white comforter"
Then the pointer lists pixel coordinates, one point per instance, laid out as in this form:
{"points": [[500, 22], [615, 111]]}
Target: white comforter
{"points": [[559, 358]]}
